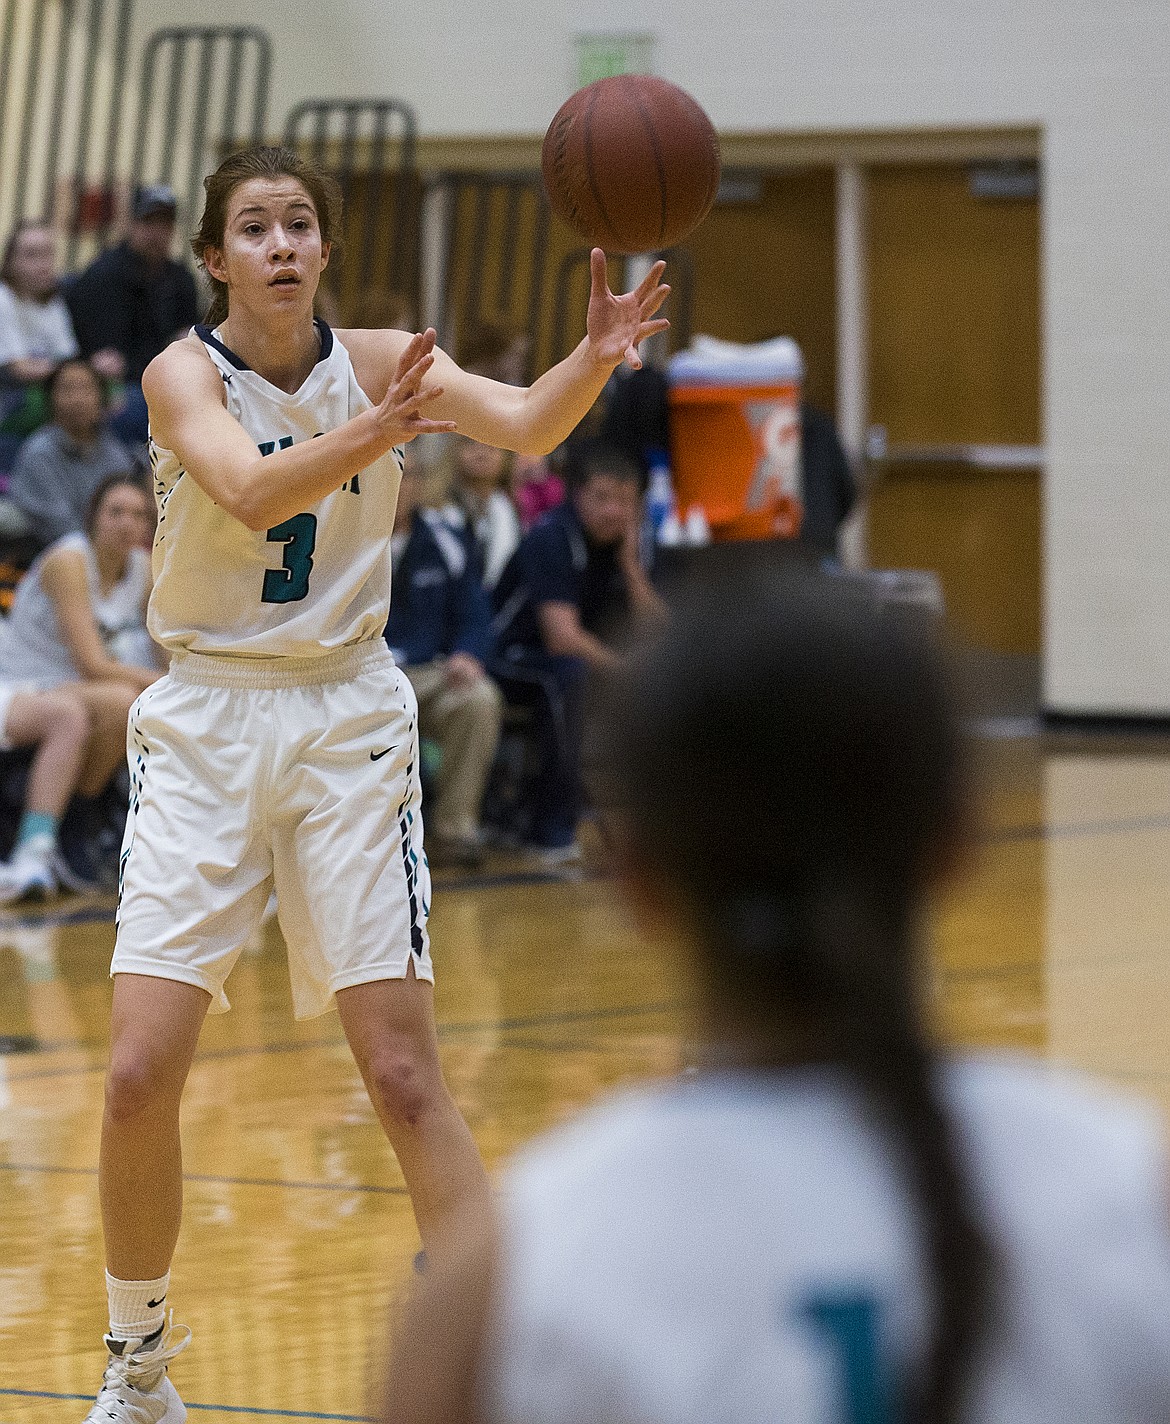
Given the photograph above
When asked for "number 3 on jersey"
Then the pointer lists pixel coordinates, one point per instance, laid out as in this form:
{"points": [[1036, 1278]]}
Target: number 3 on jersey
{"points": [[290, 582]]}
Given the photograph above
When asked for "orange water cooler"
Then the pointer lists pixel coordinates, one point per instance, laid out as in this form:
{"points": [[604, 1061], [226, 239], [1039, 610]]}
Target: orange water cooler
{"points": [[735, 436]]}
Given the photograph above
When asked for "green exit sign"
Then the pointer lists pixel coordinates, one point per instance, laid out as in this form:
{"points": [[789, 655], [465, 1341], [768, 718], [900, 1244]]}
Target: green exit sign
{"points": [[599, 56]]}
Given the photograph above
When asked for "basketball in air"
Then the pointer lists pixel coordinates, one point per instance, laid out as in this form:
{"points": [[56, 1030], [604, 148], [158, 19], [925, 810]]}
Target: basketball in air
{"points": [[631, 163]]}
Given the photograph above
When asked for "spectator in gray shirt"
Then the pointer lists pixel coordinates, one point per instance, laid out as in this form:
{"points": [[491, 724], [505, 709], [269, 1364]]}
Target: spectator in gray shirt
{"points": [[58, 468]]}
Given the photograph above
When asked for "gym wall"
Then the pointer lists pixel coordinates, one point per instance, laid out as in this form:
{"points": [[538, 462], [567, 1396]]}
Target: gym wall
{"points": [[1090, 76]]}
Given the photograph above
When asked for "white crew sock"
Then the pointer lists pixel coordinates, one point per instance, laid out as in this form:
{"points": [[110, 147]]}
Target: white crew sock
{"points": [[137, 1308]]}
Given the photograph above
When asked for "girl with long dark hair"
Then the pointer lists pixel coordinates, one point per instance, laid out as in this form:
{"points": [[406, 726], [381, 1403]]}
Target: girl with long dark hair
{"points": [[830, 1221]]}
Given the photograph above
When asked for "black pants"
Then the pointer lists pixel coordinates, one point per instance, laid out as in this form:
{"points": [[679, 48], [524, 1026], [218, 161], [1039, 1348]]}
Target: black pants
{"points": [[553, 688]]}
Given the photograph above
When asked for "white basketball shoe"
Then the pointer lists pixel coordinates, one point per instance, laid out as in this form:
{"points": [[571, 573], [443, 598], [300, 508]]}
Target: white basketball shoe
{"points": [[135, 1387]]}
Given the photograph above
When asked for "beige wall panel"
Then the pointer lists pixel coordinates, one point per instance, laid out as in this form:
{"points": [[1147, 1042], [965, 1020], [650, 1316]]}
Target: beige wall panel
{"points": [[1091, 77]]}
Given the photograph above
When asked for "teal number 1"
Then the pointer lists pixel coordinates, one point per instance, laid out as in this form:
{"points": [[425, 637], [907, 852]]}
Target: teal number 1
{"points": [[290, 583], [849, 1325]]}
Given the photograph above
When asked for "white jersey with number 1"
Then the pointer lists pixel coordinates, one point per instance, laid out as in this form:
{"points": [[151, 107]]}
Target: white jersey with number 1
{"points": [[743, 1249], [313, 583]]}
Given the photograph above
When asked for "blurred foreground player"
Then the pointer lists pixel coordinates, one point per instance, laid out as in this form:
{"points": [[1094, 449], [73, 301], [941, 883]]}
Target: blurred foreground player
{"points": [[831, 1220], [281, 750]]}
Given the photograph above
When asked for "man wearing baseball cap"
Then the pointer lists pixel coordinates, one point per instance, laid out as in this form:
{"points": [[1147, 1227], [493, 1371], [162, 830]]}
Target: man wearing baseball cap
{"points": [[133, 299]]}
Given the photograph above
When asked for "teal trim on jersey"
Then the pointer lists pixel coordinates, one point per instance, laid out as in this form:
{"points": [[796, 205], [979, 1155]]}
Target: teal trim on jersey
{"points": [[266, 447], [290, 582], [848, 1323]]}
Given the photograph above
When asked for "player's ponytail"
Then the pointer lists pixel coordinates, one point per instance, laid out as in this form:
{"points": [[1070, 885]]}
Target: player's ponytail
{"points": [[841, 957], [262, 162], [791, 767]]}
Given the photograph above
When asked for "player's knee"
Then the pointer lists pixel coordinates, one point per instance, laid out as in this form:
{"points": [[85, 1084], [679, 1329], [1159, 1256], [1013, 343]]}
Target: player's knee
{"points": [[133, 1085], [402, 1085]]}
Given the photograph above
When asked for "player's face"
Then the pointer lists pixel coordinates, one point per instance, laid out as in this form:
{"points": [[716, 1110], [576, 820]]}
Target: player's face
{"points": [[272, 254]]}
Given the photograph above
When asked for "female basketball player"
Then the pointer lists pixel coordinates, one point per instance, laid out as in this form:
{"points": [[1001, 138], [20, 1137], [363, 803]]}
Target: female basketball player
{"points": [[282, 749], [829, 1221]]}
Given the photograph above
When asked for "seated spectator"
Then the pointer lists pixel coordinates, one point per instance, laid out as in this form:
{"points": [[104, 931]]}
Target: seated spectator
{"points": [[439, 632], [135, 299], [59, 468], [78, 621], [57, 725], [569, 590], [35, 328], [35, 334], [535, 489], [828, 490], [478, 497]]}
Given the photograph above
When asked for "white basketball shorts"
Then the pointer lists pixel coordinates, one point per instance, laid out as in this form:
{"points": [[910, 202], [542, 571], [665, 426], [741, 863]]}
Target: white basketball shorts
{"points": [[294, 774]]}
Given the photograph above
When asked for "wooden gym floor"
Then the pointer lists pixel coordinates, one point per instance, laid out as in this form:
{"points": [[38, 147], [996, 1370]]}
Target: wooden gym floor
{"points": [[298, 1234]]}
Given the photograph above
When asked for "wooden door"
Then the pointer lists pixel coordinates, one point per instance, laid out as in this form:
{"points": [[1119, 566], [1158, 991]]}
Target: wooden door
{"points": [[954, 285]]}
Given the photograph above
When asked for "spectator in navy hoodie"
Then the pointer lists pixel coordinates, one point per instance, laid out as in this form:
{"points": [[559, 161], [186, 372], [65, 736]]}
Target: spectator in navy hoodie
{"points": [[440, 634]]}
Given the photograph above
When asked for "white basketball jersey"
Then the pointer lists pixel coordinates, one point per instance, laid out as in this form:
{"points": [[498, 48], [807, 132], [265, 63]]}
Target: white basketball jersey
{"points": [[743, 1249], [313, 583]]}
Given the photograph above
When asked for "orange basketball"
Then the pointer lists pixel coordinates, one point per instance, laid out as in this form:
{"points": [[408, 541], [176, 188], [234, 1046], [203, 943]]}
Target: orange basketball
{"points": [[631, 163]]}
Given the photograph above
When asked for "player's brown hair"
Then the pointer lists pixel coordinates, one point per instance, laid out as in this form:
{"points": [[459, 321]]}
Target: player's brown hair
{"points": [[263, 162], [791, 767]]}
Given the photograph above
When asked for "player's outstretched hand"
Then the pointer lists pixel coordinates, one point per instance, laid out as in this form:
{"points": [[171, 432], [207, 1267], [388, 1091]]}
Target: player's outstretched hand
{"points": [[400, 411], [617, 324]]}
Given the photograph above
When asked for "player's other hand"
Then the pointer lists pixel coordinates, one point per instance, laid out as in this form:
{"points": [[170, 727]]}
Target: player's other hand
{"points": [[400, 412], [616, 325]]}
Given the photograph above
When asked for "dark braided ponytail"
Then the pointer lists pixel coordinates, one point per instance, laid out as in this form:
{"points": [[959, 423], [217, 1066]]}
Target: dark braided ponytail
{"points": [[789, 761]]}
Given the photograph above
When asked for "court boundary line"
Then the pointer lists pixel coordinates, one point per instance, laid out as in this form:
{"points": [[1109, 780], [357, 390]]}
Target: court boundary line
{"points": [[215, 1408], [551, 1019], [369, 1188]]}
